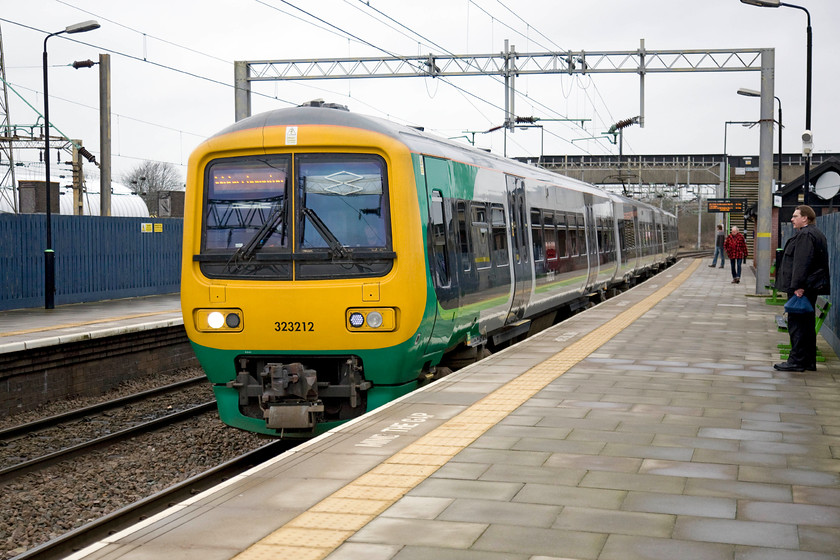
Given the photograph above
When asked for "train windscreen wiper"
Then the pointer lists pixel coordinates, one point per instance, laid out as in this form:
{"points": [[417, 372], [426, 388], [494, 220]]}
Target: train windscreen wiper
{"points": [[247, 251], [332, 241]]}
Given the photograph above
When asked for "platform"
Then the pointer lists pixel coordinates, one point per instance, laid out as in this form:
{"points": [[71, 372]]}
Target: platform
{"points": [[652, 426], [25, 329]]}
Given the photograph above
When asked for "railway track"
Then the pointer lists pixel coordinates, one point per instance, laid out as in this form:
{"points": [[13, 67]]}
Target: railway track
{"points": [[9, 473], [129, 515], [72, 478], [90, 428], [694, 253], [30, 427]]}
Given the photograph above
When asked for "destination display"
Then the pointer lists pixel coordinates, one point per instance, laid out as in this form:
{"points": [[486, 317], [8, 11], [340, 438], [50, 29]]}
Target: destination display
{"points": [[726, 205]]}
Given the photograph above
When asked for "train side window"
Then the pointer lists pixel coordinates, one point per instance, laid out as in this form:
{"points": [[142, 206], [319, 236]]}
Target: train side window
{"points": [[600, 234], [562, 244], [629, 237], [550, 235], [440, 256], [480, 236], [573, 236], [500, 250], [537, 235], [463, 236]]}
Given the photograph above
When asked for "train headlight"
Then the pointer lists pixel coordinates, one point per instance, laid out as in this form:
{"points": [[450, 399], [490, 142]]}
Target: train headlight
{"points": [[218, 320], [379, 319], [215, 320], [374, 319], [356, 320], [232, 320]]}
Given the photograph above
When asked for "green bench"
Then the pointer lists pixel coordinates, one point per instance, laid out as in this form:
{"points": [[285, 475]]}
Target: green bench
{"points": [[775, 299], [820, 312]]}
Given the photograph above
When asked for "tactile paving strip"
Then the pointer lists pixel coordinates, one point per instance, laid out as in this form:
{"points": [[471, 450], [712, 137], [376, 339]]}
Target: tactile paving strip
{"points": [[316, 533]]}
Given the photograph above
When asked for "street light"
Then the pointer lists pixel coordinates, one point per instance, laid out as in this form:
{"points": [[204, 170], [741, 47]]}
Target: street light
{"points": [[776, 4], [753, 93], [49, 254]]}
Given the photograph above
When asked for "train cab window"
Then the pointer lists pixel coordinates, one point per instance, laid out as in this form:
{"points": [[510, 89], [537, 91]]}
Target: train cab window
{"points": [[246, 217], [480, 236], [342, 199], [500, 250], [242, 197]]}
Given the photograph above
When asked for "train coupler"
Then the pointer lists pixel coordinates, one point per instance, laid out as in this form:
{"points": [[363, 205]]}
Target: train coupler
{"points": [[297, 415]]}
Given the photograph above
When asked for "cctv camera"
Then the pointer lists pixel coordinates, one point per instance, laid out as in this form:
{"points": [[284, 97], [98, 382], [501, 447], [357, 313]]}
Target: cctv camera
{"points": [[807, 143]]}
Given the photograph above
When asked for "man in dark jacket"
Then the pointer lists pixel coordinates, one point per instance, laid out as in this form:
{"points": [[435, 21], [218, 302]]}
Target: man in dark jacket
{"points": [[803, 273]]}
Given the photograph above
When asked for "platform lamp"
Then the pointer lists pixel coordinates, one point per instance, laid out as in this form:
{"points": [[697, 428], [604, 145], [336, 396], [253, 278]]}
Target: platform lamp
{"points": [[49, 254], [807, 137], [753, 93]]}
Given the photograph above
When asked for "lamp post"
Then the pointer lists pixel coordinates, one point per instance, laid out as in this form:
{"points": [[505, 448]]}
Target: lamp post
{"points": [[753, 93], [49, 254], [776, 4]]}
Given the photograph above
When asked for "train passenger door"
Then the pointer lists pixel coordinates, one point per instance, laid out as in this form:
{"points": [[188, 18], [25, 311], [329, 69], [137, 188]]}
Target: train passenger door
{"points": [[591, 240], [520, 249], [441, 248]]}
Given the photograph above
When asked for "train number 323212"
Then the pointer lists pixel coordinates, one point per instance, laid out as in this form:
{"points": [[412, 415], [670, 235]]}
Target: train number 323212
{"points": [[294, 326]]}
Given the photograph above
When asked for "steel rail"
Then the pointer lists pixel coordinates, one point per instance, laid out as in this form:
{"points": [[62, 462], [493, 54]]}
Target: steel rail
{"points": [[29, 427], [19, 469], [106, 525]]}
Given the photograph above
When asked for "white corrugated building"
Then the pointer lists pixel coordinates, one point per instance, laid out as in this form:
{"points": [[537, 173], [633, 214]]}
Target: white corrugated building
{"points": [[123, 201]]}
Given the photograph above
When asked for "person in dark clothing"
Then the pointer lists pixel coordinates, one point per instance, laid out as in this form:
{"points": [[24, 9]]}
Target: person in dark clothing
{"points": [[719, 237], [803, 273], [736, 249]]}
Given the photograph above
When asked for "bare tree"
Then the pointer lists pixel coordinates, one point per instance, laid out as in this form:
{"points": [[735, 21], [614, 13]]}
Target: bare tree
{"points": [[152, 180], [151, 177]]}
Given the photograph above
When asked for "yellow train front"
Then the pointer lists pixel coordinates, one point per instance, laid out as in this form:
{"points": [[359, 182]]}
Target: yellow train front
{"points": [[297, 306]]}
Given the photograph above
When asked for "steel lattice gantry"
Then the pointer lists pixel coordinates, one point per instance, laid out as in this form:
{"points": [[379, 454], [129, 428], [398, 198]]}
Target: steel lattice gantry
{"points": [[509, 64]]}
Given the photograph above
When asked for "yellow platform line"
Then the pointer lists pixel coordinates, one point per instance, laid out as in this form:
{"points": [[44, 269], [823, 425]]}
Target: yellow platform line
{"points": [[316, 533], [85, 323]]}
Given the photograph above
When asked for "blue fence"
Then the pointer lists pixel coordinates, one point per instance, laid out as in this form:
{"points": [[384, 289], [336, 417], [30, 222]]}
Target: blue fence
{"points": [[96, 258]]}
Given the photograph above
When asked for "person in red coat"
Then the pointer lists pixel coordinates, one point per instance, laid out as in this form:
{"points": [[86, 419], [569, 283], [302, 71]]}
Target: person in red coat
{"points": [[736, 249]]}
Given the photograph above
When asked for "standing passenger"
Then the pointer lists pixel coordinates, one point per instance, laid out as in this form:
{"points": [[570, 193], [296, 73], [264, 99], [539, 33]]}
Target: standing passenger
{"points": [[719, 237], [736, 249], [803, 273]]}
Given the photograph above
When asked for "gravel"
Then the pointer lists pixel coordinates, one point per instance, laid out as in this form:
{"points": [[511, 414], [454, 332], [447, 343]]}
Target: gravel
{"points": [[45, 504]]}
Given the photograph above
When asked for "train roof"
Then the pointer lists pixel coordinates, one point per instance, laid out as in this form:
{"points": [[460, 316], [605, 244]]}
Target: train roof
{"points": [[416, 140]]}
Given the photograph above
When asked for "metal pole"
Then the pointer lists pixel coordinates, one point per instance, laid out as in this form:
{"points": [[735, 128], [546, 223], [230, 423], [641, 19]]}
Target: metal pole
{"points": [[641, 83], [242, 90], [780, 143], [105, 134], [765, 174], [49, 254], [806, 185]]}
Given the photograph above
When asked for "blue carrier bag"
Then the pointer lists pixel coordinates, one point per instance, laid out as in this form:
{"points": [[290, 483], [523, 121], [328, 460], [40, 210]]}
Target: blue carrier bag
{"points": [[798, 305]]}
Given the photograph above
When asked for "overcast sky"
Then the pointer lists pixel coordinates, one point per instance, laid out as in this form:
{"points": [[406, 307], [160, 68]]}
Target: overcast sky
{"points": [[172, 69]]}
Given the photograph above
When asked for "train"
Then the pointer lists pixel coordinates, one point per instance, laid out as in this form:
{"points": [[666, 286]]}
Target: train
{"points": [[334, 261]]}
